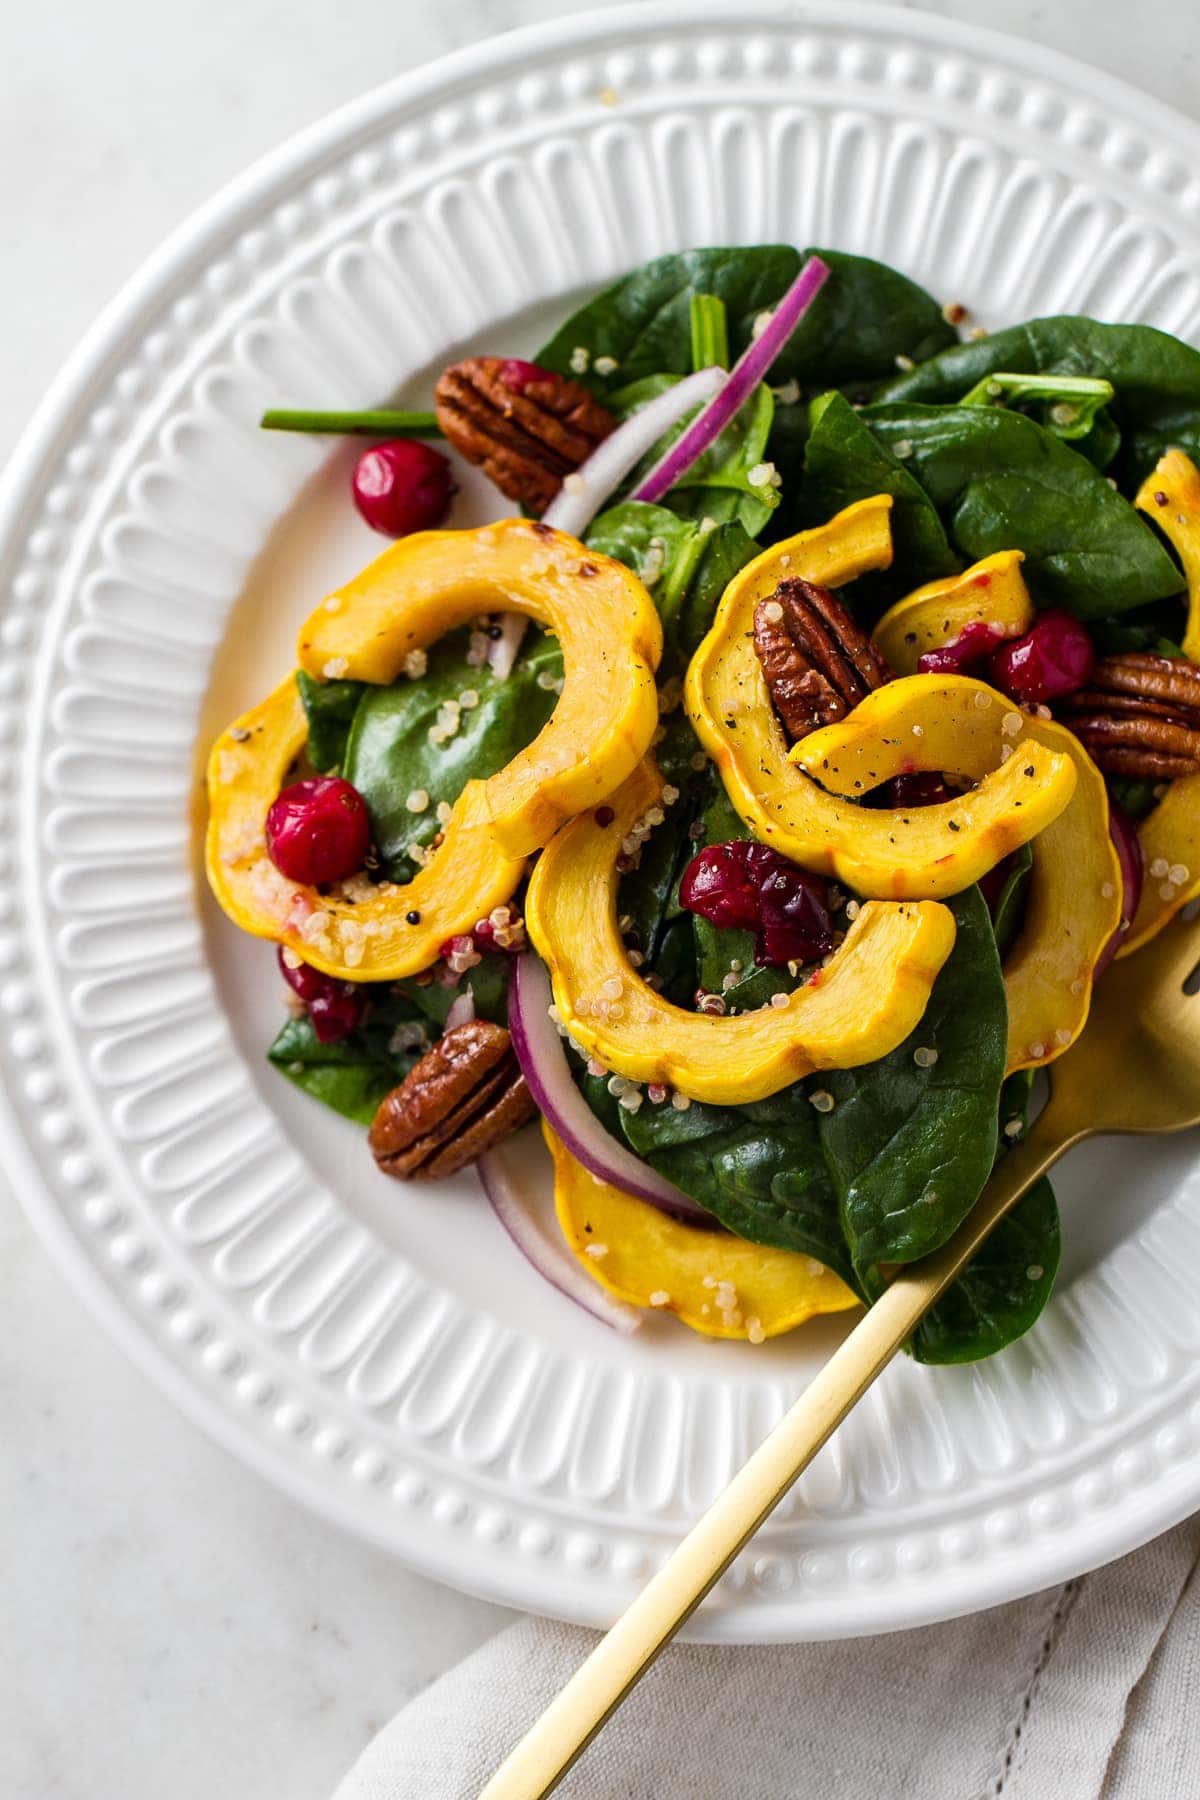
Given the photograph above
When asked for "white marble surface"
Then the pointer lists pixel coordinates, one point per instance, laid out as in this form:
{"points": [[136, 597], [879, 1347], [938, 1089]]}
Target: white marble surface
{"points": [[164, 1610]]}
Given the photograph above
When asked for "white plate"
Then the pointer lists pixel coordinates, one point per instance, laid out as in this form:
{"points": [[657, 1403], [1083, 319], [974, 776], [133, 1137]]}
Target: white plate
{"points": [[383, 1354]]}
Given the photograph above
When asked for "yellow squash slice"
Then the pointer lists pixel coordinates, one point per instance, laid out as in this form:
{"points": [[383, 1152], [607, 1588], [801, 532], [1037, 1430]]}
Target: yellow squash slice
{"points": [[606, 625], [373, 940], [903, 852], [1074, 902], [1170, 835], [856, 1009], [715, 1282], [991, 592], [1171, 497]]}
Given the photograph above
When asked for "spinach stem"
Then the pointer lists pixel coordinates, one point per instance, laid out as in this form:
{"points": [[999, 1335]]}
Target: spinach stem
{"points": [[710, 332], [379, 423], [1073, 400]]}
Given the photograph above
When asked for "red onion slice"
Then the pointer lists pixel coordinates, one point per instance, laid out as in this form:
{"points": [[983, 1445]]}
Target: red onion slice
{"points": [[751, 368], [502, 650], [573, 508], [543, 1059], [543, 1248]]}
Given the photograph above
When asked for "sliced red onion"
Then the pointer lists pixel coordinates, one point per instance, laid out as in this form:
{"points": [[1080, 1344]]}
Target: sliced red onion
{"points": [[750, 368], [584, 493], [543, 1060], [462, 1010], [502, 650], [517, 1210]]}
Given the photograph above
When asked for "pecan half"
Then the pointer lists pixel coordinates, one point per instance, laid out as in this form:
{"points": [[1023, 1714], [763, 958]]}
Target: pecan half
{"points": [[817, 661], [464, 1096], [525, 427], [1139, 716]]}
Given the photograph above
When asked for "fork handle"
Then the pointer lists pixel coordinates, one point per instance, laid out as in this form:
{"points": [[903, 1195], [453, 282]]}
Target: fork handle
{"points": [[543, 1756]]}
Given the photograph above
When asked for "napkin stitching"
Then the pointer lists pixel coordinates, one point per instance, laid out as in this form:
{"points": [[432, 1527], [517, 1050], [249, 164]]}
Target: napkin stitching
{"points": [[1068, 1594]]}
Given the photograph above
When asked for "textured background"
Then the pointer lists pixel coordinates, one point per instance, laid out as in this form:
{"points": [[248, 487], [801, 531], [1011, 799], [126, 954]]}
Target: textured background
{"points": [[164, 1609]]}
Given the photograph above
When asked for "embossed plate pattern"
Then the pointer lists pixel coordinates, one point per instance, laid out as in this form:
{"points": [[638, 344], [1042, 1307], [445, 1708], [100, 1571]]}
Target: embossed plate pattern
{"points": [[384, 1357]]}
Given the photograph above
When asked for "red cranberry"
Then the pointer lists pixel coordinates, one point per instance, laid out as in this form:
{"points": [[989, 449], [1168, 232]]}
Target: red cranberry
{"points": [[1128, 846], [334, 1007], [753, 888], [402, 486], [921, 787], [318, 831], [1054, 658], [974, 643], [517, 375]]}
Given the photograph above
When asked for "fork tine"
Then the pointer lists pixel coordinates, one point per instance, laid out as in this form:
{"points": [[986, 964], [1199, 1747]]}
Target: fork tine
{"points": [[1169, 957]]}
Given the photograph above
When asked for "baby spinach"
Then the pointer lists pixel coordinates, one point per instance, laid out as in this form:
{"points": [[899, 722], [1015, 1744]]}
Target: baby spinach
{"points": [[1156, 378], [1002, 1290], [389, 754], [330, 707], [1000, 482], [910, 1146], [1009, 910], [685, 566], [844, 461], [865, 317], [352, 1075]]}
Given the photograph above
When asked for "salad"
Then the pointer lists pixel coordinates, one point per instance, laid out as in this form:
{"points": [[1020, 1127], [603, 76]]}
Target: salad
{"points": [[759, 803]]}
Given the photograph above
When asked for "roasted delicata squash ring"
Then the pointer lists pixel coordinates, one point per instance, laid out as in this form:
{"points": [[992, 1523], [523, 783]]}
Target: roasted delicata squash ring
{"points": [[1170, 835], [1171, 497], [370, 940], [991, 592], [718, 1284], [1074, 902], [903, 852], [605, 622], [856, 1009]]}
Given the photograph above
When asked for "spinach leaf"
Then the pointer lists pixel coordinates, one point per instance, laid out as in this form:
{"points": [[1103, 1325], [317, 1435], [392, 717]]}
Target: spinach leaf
{"points": [[1002, 1290], [759, 1169], [352, 1075], [865, 317], [389, 754], [1156, 377], [1137, 798], [1000, 482], [845, 460], [910, 1147], [431, 1001], [1009, 910], [717, 486], [685, 567], [330, 706]]}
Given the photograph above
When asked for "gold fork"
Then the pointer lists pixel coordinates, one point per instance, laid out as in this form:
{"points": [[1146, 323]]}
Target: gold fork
{"points": [[1135, 1069]]}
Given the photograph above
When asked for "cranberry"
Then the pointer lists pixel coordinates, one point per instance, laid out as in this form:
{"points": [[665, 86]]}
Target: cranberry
{"points": [[1129, 854], [318, 831], [334, 1007], [753, 888], [1054, 658], [402, 486], [974, 643], [921, 787], [517, 375]]}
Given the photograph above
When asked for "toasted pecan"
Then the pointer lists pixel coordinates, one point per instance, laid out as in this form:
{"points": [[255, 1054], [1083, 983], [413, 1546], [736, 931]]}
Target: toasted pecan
{"points": [[464, 1096], [526, 428], [817, 662], [1139, 716]]}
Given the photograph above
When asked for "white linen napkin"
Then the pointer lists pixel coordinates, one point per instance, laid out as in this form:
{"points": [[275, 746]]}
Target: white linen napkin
{"points": [[1086, 1692]]}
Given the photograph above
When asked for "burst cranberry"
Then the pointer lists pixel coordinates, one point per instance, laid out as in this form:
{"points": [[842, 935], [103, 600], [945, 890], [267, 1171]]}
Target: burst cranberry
{"points": [[334, 1007], [1129, 854], [402, 486], [974, 644], [1054, 658], [318, 831], [753, 888], [921, 787], [517, 375]]}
